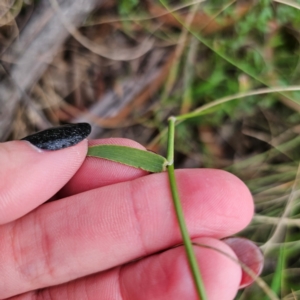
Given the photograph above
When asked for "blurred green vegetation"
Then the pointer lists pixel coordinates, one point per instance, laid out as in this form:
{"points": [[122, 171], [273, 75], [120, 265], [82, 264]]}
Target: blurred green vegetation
{"points": [[260, 50]]}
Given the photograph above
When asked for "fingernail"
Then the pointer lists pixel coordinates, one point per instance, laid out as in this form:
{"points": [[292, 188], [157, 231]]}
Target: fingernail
{"points": [[249, 254], [60, 137]]}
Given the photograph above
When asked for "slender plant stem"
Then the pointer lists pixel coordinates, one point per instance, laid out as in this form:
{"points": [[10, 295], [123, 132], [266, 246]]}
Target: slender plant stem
{"points": [[180, 217], [171, 135]]}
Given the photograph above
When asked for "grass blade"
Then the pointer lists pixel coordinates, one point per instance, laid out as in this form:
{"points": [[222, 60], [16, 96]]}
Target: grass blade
{"points": [[133, 157]]}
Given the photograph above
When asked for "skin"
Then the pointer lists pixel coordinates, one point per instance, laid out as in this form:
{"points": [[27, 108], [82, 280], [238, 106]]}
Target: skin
{"points": [[112, 231]]}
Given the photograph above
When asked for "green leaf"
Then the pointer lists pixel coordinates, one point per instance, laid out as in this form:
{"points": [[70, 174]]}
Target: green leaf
{"points": [[133, 157]]}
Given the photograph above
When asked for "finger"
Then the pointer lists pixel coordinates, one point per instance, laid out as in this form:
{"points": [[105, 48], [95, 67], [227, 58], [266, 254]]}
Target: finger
{"points": [[30, 176], [160, 276], [96, 172], [248, 254], [106, 227]]}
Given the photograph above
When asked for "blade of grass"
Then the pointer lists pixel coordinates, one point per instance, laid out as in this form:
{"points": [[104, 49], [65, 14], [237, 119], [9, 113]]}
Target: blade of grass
{"points": [[278, 275], [133, 157], [199, 111], [210, 107]]}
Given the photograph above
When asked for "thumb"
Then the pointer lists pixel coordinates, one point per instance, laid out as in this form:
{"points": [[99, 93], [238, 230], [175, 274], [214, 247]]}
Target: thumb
{"points": [[30, 174]]}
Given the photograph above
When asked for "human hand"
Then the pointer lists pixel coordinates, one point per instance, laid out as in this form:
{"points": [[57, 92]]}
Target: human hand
{"points": [[112, 233]]}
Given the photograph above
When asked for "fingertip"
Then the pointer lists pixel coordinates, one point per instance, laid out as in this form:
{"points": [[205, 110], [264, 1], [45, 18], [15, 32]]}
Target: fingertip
{"points": [[243, 204], [240, 204], [225, 197], [30, 176], [59, 137], [249, 255]]}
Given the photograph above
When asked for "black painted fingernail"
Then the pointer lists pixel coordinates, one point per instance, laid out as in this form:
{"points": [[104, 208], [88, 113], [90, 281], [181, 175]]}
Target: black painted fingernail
{"points": [[60, 137]]}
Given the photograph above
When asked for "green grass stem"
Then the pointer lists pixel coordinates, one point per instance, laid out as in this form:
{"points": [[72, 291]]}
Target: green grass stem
{"points": [[180, 217], [171, 136]]}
